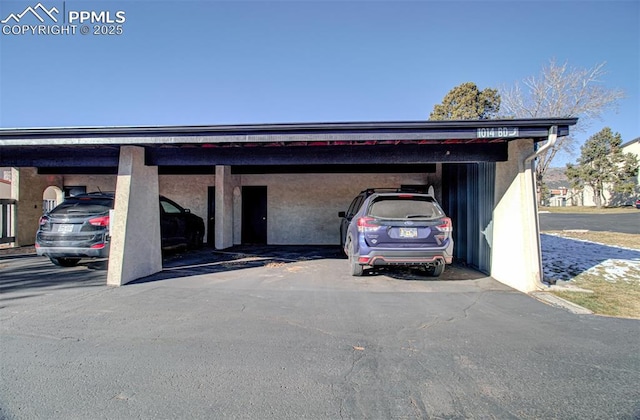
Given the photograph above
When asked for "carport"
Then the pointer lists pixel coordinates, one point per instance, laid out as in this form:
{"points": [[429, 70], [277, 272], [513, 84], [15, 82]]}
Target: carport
{"points": [[484, 170]]}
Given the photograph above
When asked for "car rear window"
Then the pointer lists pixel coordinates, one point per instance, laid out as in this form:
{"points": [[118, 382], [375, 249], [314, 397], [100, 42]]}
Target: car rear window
{"points": [[405, 207], [77, 206]]}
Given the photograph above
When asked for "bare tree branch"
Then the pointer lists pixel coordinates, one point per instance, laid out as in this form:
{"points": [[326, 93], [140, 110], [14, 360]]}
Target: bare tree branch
{"points": [[560, 91]]}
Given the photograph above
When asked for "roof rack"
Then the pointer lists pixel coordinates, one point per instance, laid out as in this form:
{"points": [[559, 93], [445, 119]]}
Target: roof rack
{"points": [[106, 193], [417, 190]]}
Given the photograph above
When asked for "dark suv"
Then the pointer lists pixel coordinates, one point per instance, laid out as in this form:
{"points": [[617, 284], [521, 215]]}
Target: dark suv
{"points": [[79, 227], [396, 227]]}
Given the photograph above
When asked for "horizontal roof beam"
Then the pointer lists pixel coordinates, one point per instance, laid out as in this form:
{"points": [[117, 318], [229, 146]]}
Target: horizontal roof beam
{"points": [[107, 156]]}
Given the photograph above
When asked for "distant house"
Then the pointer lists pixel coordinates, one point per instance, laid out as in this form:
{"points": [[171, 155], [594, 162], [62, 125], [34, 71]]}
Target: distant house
{"points": [[585, 197], [633, 147], [558, 197]]}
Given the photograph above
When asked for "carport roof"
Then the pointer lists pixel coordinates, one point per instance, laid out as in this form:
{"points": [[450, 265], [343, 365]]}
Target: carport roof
{"points": [[66, 149], [465, 130]]}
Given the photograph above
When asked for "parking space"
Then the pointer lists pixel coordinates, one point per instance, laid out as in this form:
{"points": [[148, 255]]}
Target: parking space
{"points": [[322, 265], [284, 333]]}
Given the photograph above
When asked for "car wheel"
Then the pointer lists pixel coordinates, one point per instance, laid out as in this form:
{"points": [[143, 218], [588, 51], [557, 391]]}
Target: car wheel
{"points": [[435, 271], [355, 268], [65, 262], [195, 240], [199, 239]]}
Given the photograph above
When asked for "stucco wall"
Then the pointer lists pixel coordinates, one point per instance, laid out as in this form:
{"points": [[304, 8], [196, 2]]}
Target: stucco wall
{"points": [[93, 183], [5, 188], [303, 208], [28, 188]]}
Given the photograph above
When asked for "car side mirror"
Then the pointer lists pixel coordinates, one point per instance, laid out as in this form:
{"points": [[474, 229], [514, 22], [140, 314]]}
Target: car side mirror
{"points": [[187, 210], [341, 214]]}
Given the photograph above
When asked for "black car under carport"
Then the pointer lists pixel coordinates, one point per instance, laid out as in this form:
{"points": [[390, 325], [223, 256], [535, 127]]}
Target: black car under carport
{"points": [[79, 228]]}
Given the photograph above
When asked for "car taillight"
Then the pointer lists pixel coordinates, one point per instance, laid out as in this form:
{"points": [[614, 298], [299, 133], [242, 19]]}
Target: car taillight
{"points": [[100, 221], [365, 224], [445, 228], [446, 225], [43, 220]]}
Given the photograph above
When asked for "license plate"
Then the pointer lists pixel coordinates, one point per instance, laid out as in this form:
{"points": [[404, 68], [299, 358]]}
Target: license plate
{"points": [[65, 228], [408, 232]]}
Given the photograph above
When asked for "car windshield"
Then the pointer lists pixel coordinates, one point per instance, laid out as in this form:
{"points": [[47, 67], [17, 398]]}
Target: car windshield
{"points": [[399, 207], [78, 206]]}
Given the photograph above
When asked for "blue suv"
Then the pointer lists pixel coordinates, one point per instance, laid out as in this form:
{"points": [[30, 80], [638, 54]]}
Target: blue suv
{"points": [[385, 227]]}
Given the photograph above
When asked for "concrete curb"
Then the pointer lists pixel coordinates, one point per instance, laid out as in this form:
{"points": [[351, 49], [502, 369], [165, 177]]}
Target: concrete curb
{"points": [[553, 300]]}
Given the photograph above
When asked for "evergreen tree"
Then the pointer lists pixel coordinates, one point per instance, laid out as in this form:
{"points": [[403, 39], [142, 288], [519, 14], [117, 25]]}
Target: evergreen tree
{"points": [[602, 166], [467, 102]]}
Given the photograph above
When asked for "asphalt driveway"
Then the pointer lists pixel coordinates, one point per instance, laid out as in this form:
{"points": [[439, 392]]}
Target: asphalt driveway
{"points": [[252, 334]]}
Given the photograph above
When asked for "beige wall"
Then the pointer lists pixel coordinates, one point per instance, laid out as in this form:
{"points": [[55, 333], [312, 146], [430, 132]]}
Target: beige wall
{"points": [[28, 188], [5, 189], [92, 182], [303, 208]]}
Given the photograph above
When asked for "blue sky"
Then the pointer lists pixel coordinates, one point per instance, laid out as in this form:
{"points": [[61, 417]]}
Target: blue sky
{"points": [[224, 62]]}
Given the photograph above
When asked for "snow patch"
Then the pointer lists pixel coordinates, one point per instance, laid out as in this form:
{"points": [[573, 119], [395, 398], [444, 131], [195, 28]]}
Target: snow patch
{"points": [[565, 258]]}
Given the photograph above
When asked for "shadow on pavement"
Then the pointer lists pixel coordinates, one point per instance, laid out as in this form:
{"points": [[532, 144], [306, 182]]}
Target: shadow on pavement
{"points": [[32, 272], [209, 261], [454, 272]]}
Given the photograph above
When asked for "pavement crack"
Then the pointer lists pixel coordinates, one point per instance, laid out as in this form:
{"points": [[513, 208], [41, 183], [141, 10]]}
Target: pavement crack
{"points": [[434, 322], [472, 304]]}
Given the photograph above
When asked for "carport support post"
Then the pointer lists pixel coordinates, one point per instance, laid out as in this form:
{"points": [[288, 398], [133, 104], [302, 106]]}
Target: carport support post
{"points": [[135, 226], [224, 208], [515, 259]]}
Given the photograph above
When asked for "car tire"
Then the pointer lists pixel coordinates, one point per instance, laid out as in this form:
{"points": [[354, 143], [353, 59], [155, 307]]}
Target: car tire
{"points": [[65, 262], [195, 240], [435, 271], [355, 269]]}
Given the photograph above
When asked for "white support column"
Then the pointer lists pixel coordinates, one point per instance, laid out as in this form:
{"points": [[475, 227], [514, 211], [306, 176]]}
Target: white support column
{"points": [[224, 207], [135, 226], [515, 253]]}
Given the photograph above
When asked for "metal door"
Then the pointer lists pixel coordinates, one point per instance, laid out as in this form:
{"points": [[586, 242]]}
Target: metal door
{"points": [[211, 216], [468, 198], [254, 215]]}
